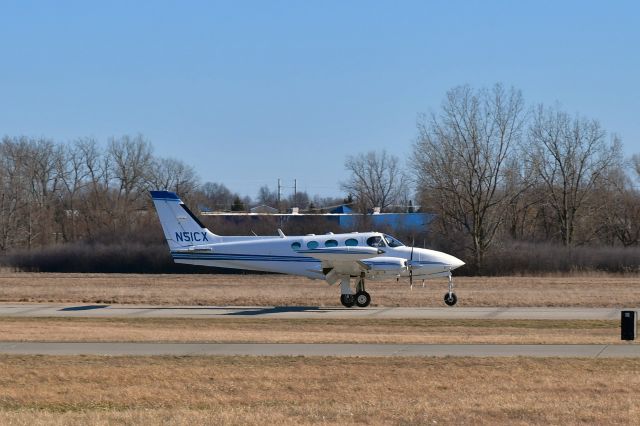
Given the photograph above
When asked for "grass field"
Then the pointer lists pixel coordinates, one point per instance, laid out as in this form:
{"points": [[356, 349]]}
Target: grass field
{"points": [[296, 390], [276, 330], [279, 290], [307, 390]]}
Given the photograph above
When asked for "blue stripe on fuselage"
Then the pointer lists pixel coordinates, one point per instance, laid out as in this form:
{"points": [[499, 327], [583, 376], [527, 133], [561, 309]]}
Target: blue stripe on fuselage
{"points": [[241, 257]]}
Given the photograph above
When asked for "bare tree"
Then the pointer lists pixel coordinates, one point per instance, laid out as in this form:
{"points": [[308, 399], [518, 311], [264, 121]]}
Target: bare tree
{"points": [[173, 175], [376, 180], [216, 196], [131, 162], [521, 211], [96, 206], [619, 220], [460, 161], [299, 199], [635, 163], [30, 185], [43, 157], [570, 156], [267, 197], [74, 175], [13, 199], [97, 164]]}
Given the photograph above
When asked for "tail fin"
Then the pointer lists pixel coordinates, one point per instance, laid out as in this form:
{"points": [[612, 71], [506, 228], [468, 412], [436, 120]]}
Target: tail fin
{"points": [[182, 228]]}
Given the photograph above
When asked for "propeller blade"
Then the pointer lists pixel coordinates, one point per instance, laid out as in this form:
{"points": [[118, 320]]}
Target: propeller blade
{"points": [[411, 265], [413, 244], [411, 278]]}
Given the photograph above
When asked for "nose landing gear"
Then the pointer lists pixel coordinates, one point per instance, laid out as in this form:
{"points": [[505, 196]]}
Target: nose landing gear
{"points": [[450, 298]]}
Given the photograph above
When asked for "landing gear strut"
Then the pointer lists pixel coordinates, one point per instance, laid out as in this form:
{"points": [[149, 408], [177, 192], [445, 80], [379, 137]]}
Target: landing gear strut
{"points": [[361, 298], [450, 297], [347, 298]]}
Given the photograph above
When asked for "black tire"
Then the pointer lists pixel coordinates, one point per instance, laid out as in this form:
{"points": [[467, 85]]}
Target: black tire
{"points": [[450, 299], [363, 299], [347, 300]]}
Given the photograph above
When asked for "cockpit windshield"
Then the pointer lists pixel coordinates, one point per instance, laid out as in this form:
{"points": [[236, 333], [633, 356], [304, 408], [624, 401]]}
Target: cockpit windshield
{"points": [[392, 242]]}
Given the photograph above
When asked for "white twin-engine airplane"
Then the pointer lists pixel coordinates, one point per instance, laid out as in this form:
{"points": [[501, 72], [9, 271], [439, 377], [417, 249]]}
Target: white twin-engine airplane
{"points": [[332, 257]]}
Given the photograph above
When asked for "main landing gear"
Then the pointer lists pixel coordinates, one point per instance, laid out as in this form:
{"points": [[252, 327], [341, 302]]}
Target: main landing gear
{"points": [[361, 298], [348, 300], [450, 297]]}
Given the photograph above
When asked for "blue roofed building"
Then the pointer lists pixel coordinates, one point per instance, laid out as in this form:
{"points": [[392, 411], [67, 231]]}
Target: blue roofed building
{"points": [[407, 221], [343, 216]]}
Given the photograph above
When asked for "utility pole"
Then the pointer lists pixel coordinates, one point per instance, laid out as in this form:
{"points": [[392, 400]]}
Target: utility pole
{"points": [[295, 193], [279, 194]]}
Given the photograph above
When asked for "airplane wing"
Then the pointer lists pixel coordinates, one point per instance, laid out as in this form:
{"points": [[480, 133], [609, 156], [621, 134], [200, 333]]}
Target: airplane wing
{"points": [[337, 261]]}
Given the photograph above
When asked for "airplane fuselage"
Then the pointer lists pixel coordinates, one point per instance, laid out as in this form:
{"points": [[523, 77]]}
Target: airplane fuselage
{"points": [[332, 257], [291, 255]]}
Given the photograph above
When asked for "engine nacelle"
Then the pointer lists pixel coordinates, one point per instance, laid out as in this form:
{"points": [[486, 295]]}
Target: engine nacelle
{"points": [[385, 266]]}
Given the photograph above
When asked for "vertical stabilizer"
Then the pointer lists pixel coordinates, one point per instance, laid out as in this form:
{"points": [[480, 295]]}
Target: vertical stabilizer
{"points": [[182, 228]]}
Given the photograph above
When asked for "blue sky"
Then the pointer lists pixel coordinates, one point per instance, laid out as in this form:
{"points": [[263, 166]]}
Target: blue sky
{"points": [[249, 92]]}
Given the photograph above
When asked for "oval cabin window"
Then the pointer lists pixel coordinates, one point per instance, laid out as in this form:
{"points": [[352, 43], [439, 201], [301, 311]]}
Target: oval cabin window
{"points": [[351, 242], [331, 243], [312, 245]]}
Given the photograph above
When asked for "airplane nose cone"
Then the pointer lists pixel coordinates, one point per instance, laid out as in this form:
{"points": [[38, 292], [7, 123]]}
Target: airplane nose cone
{"points": [[453, 261], [436, 259], [456, 263]]}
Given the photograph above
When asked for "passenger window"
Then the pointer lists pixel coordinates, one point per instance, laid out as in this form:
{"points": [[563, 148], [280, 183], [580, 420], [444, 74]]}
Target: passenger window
{"points": [[295, 246], [312, 245], [351, 242], [331, 243]]}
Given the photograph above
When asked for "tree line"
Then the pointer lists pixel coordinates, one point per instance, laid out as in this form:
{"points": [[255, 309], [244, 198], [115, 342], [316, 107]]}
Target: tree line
{"points": [[54, 192], [497, 173]]}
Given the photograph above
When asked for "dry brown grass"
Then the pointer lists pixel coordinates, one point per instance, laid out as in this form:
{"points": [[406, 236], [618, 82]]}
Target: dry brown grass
{"points": [[279, 290], [277, 330], [296, 390]]}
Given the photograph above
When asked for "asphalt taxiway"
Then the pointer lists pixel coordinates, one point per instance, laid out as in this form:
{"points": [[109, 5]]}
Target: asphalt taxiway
{"points": [[302, 312]]}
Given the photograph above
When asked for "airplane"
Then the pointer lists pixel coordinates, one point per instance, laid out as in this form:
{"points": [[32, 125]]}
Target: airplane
{"points": [[333, 257]]}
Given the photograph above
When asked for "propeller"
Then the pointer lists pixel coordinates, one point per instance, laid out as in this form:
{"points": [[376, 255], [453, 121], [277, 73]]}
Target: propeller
{"points": [[411, 266]]}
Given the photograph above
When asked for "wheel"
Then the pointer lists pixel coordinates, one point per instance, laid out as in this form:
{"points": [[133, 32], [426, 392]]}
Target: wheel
{"points": [[347, 300], [363, 299], [450, 299]]}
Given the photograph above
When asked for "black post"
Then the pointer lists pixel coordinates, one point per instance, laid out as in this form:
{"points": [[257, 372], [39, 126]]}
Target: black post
{"points": [[628, 325]]}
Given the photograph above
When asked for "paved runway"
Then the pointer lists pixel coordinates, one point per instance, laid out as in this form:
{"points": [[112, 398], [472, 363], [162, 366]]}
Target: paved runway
{"points": [[266, 349], [140, 311]]}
